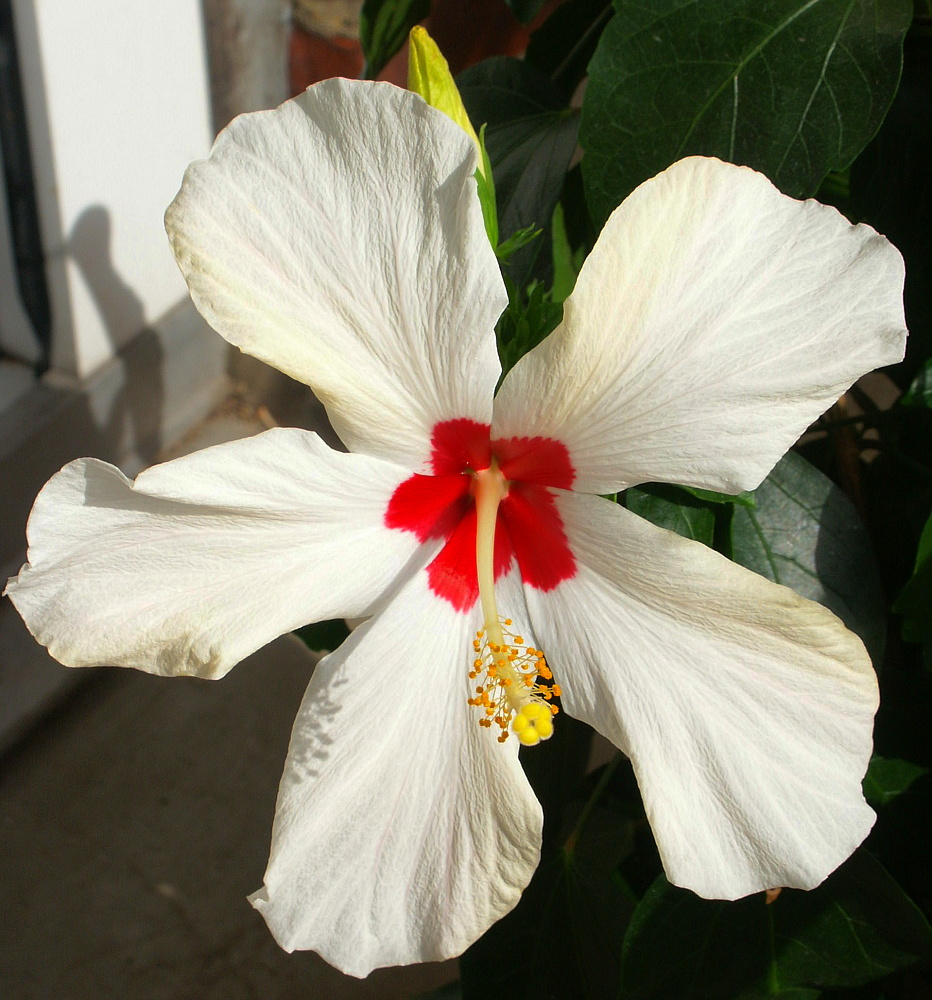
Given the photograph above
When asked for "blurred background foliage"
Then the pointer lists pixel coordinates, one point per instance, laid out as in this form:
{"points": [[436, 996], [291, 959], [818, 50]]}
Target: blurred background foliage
{"points": [[831, 99]]}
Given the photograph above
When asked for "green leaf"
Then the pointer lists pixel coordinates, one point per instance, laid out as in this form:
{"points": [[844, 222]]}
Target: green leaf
{"points": [[563, 45], [924, 549], [803, 532], [920, 392], [915, 605], [566, 261], [485, 187], [744, 499], [915, 600], [793, 993], [670, 508], [794, 88], [323, 636], [515, 242], [529, 316], [564, 937], [525, 10], [857, 926], [531, 137], [383, 27], [887, 779]]}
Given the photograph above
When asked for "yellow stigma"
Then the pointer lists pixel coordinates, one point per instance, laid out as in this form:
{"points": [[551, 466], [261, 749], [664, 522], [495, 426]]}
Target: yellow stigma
{"points": [[509, 691]]}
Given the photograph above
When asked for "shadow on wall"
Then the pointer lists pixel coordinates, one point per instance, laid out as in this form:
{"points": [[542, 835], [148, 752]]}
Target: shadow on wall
{"points": [[120, 421], [133, 421]]}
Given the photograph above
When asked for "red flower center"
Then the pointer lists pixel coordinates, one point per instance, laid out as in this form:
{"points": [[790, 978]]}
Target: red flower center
{"points": [[529, 527]]}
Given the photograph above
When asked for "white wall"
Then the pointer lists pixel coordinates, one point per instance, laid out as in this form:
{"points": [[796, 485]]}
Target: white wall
{"points": [[118, 104]]}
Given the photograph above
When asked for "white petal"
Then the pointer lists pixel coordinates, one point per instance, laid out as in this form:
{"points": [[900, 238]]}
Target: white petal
{"points": [[746, 710], [340, 239], [403, 829], [712, 323], [207, 558]]}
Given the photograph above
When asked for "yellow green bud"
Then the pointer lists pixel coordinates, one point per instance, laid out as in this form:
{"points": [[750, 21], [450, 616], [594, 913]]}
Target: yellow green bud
{"points": [[429, 75]]}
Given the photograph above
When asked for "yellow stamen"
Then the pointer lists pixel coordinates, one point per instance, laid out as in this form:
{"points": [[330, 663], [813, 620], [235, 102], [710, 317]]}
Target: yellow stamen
{"points": [[510, 692]]}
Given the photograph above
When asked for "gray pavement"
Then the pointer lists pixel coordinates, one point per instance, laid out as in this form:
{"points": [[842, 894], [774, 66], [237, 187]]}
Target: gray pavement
{"points": [[134, 822], [136, 818]]}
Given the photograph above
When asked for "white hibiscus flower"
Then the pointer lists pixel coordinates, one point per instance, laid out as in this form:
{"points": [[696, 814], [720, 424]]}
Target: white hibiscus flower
{"points": [[340, 239]]}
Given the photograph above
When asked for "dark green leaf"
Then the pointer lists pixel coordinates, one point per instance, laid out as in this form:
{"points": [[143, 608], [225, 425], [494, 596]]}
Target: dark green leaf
{"points": [[793, 993], [744, 499], [529, 316], [564, 938], [887, 779], [323, 636], [525, 10], [671, 508], [383, 27], [803, 532], [854, 928], [915, 605], [776, 993], [531, 136], [924, 549], [794, 88], [891, 188], [920, 392], [915, 600], [563, 45]]}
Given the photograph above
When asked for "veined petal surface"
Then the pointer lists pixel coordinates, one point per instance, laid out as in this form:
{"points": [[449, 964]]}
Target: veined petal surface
{"points": [[746, 710], [714, 320], [206, 558], [403, 829], [340, 239]]}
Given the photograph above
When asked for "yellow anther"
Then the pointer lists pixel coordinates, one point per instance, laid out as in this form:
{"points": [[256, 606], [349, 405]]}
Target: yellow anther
{"points": [[511, 692]]}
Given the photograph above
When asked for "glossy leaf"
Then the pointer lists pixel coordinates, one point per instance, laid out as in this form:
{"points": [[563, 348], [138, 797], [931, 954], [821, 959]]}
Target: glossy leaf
{"points": [[384, 27], [887, 779], [563, 45], [920, 391], [525, 10], [564, 937], [793, 88], [744, 499], [323, 636], [803, 532], [672, 508], [855, 927], [530, 137], [915, 600]]}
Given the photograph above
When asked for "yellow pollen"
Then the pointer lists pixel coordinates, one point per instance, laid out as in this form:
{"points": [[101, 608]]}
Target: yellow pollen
{"points": [[510, 691]]}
